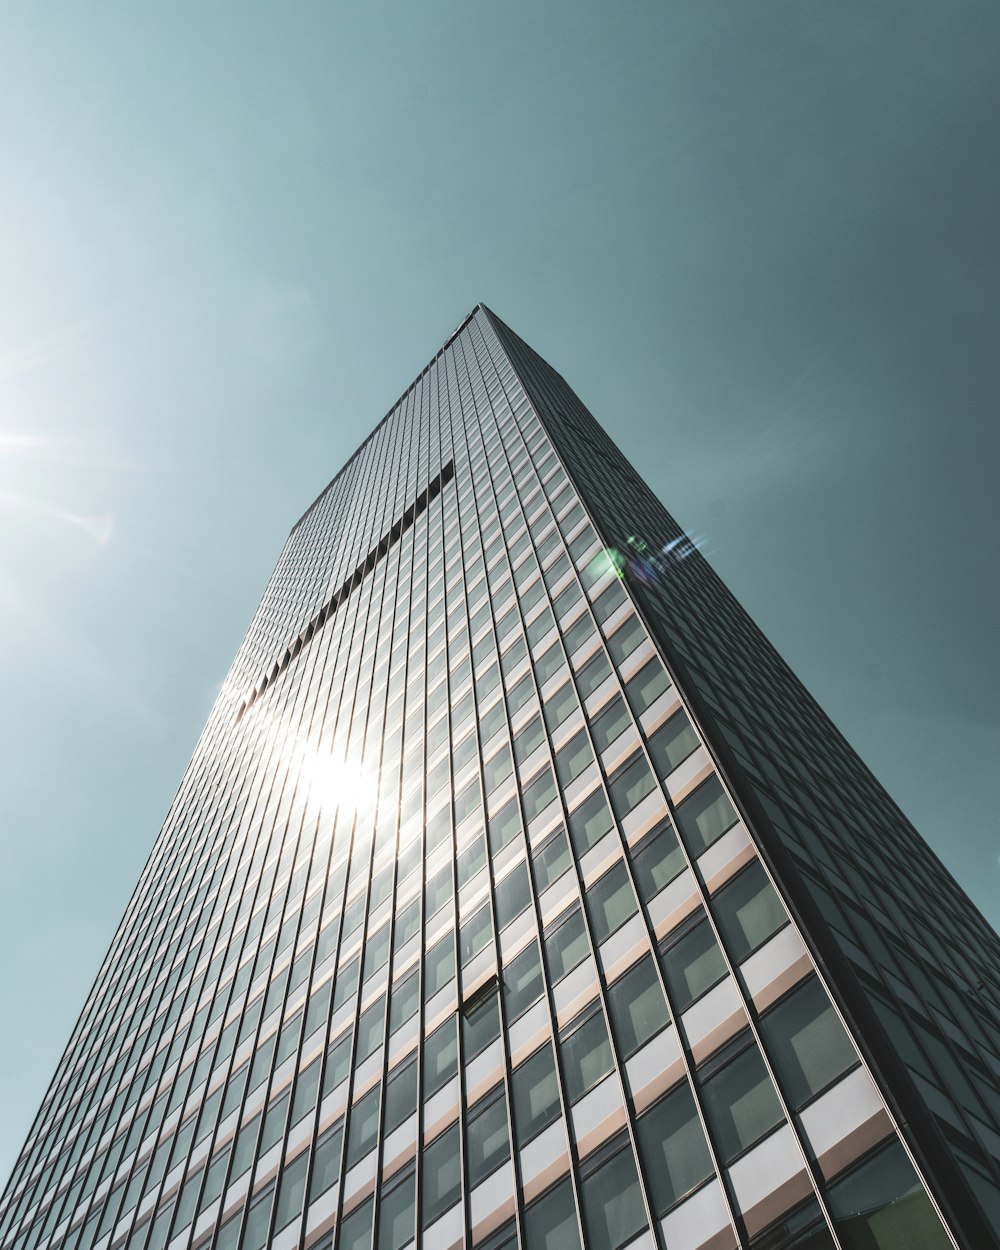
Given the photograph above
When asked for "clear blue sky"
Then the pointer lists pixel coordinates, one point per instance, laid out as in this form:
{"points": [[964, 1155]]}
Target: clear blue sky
{"points": [[760, 240]]}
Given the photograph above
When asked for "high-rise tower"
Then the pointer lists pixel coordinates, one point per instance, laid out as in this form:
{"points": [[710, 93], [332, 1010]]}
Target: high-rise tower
{"points": [[518, 895]]}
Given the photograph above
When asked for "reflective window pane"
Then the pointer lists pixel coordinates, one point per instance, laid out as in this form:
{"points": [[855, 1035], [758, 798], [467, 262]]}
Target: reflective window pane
{"points": [[638, 1007], [613, 1208], [550, 1222], [488, 1139], [705, 815], [881, 1205], [585, 1052], [741, 1104], [674, 1148], [566, 945], [748, 911], [535, 1094], [692, 964], [610, 902], [807, 1043]]}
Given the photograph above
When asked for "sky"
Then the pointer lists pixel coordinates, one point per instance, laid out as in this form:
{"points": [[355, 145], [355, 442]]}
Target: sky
{"points": [[759, 240]]}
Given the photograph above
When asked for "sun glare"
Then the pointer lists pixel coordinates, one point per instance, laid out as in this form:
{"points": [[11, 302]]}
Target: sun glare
{"points": [[334, 784]]}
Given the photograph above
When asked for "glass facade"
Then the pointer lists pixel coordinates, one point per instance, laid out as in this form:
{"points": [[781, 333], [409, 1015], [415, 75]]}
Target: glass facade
{"points": [[516, 895]]}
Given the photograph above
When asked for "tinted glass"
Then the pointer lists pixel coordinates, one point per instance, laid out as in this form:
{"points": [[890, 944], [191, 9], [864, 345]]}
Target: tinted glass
{"points": [[807, 1043], [748, 911], [613, 1211], [705, 815], [535, 1094], [586, 1056], [674, 1148], [638, 1007], [672, 744], [693, 964], [566, 945], [610, 902], [741, 1104], [656, 861]]}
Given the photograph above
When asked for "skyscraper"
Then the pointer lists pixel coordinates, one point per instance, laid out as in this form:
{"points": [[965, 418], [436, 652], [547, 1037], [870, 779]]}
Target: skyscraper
{"points": [[518, 895]]}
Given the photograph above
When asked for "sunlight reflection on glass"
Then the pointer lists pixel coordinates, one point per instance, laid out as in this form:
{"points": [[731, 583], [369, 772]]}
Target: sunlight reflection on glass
{"points": [[334, 785]]}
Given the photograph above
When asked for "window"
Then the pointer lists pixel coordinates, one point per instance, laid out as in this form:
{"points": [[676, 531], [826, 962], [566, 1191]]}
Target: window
{"points": [[326, 1162], [274, 1124], [498, 768], [291, 1192], [520, 694], [610, 902], [539, 627], [376, 951], [527, 740], [355, 1232], [558, 706], [440, 1057], [258, 1219], [551, 859], [611, 723], [589, 822], [613, 1209], [404, 1001], [504, 826], [442, 1175], [306, 1092], [550, 1221], [806, 1042], [491, 721], [439, 966], [396, 1214], [512, 895], [739, 1100], [692, 964], [586, 1055], [657, 860], [646, 686], [535, 1095], [673, 1148], [363, 1126], [338, 1063], [579, 632], [522, 981], [672, 744], [371, 1026], [467, 803], [593, 674], [630, 785], [609, 601], [881, 1205], [401, 1096], [480, 1027], [748, 912], [347, 983], [573, 758], [582, 543], [638, 1007], [548, 664], [539, 794], [487, 1137], [566, 944], [407, 924], [705, 815], [626, 638], [476, 933]]}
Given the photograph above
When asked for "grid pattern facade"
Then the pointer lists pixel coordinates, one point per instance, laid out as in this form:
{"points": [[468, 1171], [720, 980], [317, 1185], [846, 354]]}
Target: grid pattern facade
{"points": [[470, 924]]}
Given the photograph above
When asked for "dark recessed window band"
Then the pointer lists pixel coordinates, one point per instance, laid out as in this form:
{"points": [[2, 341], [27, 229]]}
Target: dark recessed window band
{"points": [[430, 492]]}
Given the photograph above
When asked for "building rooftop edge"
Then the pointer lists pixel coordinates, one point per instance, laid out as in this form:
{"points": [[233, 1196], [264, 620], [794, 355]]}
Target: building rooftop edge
{"points": [[480, 306]]}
